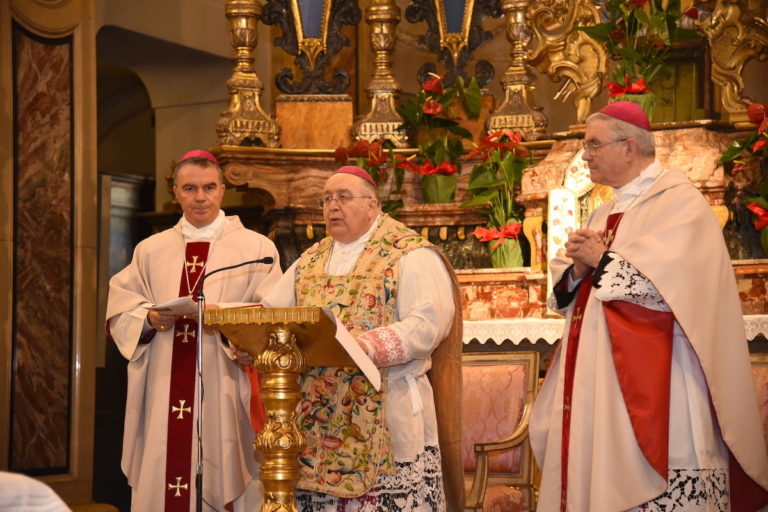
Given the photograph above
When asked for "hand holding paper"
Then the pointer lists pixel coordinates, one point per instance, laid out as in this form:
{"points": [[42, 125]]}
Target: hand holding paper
{"points": [[356, 352]]}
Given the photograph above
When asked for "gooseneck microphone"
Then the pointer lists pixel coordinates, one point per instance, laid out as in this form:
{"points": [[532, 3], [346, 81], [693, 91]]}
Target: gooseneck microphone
{"points": [[267, 260]]}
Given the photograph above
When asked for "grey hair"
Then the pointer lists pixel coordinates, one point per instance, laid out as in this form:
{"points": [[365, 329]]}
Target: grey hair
{"points": [[200, 162], [371, 189], [646, 145]]}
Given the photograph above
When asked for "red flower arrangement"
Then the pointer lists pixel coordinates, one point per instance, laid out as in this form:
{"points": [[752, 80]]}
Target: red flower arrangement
{"points": [[375, 157], [493, 185], [431, 119], [752, 153], [638, 34]]}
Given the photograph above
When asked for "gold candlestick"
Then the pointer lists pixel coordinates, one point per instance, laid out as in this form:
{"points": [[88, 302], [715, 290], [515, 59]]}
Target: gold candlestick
{"points": [[382, 120], [245, 123]]}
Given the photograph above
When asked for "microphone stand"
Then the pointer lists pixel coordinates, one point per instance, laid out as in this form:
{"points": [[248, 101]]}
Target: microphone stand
{"points": [[199, 472], [200, 312]]}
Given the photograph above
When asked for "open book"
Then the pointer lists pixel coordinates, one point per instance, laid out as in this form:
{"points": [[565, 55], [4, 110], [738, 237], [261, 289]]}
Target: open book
{"points": [[357, 354]]}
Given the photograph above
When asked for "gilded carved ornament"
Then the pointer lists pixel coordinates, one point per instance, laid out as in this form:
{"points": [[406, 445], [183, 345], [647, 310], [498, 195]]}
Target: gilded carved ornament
{"points": [[567, 55], [245, 122], [454, 48], [313, 54], [518, 111], [383, 120], [454, 41], [736, 34]]}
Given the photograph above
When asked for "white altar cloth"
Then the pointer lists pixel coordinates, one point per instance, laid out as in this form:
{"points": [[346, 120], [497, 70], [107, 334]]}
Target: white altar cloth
{"points": [[549, 330]]}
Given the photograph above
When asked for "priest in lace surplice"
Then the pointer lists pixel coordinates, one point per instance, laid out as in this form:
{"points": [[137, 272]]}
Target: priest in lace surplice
{"points": [[160, 442], [367, 449], [649, 403]]}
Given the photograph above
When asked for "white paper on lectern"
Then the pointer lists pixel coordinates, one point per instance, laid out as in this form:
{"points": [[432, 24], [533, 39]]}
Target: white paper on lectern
{"points": [[182, 306], [357, 354]]}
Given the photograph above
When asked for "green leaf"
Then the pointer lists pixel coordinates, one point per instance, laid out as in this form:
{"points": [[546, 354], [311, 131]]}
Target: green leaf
{"points": [[481, 199], [685, 34], [472, 99], [599, 32], [460, 131], [735, 149], [762, 189]]}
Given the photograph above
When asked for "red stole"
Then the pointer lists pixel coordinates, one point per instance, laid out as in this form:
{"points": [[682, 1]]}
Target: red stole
{"points": [[641, 343], [182, 389]]}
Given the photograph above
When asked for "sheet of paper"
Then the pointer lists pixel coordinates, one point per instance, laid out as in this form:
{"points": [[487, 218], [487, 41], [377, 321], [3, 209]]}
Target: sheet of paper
{"points": [[183, 306], [357, 354]]}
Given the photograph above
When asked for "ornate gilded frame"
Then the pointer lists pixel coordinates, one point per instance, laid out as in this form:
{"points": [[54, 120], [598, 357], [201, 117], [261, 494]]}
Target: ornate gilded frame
{"points": [[311, 46]]}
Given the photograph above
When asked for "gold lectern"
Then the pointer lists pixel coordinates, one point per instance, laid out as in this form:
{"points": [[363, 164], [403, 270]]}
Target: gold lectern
{"points": [[283, 343]]}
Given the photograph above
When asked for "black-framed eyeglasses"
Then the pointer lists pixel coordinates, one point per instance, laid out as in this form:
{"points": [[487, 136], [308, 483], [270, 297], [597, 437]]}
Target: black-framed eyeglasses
{"points": [[343, 199], [593, 147]]}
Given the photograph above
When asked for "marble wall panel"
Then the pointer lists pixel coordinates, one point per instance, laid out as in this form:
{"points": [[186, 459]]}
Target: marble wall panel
{"points": [[495, 294], [43, 244]]}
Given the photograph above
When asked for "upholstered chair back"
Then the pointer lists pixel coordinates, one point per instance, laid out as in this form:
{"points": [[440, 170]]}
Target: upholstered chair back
{"points": [[499, 389]]}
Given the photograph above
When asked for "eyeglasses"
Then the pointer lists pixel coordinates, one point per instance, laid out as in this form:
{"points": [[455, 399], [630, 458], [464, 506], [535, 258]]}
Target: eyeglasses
{"points": [[343, 199], [593, 147]]}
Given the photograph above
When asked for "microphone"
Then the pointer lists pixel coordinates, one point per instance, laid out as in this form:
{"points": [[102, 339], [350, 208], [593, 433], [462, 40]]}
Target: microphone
{"points": [[267, 260]]}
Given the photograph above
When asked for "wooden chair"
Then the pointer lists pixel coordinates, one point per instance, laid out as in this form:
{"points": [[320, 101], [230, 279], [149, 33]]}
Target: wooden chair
{"points": [[499, 389], [760, 374]]}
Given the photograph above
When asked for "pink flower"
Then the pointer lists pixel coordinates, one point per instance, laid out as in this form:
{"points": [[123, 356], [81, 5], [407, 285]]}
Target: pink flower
{"points": [[332, 443]]}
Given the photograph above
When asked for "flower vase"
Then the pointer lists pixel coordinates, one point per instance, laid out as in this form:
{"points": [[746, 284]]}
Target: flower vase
{"points": [[646, 101], [438, 188], [508, 254]]}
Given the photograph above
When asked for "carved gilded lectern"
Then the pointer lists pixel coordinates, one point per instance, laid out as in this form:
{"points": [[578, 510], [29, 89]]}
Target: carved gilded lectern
{"points": [[283, 343]]}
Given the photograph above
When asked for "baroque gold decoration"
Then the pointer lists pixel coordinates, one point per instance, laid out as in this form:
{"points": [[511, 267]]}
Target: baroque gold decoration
{"points": [[736, 34], [245, 123], [568, 55], [312, 45], [518, 111], [281, 441], [282, 342], [454, 47], [382, 121]]}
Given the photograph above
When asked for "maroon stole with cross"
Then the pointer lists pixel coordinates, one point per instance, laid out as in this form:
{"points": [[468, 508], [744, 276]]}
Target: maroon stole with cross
{"points": [[641, 345], [178, 462], [574, 333]]}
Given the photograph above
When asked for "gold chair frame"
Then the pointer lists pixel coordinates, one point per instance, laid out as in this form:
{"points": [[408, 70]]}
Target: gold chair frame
{"points": [[525, 479]]}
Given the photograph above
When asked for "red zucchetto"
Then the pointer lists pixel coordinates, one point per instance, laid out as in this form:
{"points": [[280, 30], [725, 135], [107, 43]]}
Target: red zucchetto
{"points": [[199, 153], [357, 171], [628, 112]]}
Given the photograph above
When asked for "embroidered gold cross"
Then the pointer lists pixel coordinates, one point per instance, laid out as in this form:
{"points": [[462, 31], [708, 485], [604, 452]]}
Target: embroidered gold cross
{"points": [[576, 317], [194, 264], [178, 487], [186, 333], [180, 409]]}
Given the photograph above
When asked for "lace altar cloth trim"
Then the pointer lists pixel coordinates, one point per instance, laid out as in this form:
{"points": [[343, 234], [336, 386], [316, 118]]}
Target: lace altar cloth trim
{"points": [[550, 330]]}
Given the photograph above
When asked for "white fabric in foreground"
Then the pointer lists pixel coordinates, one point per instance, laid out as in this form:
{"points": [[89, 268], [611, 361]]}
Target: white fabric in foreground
{"points": [[20, 493]]}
